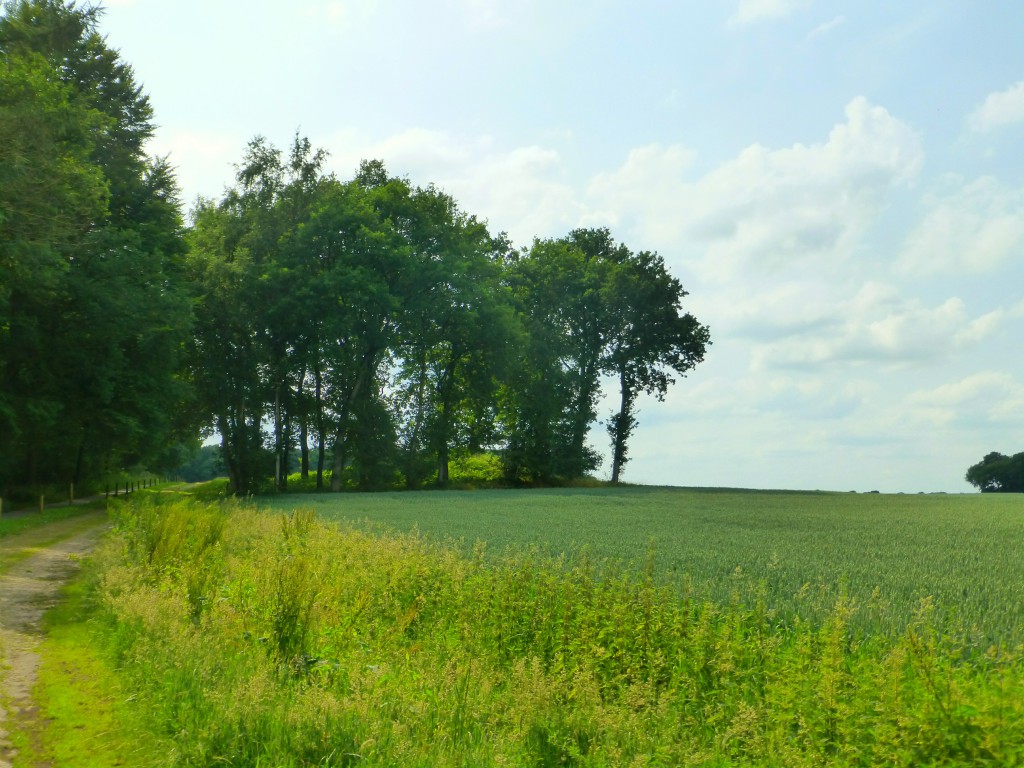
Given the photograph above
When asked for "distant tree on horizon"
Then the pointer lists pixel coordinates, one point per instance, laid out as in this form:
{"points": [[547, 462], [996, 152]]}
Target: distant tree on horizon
{"points": [[997, 473]]}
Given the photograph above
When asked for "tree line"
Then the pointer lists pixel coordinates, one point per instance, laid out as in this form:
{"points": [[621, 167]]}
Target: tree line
{"points": [[368, 325]]}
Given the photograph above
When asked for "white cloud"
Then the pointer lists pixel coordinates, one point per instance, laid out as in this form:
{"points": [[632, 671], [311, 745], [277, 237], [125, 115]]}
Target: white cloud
{"points": [[999, 109], [758, 10], [519, 190], [986, 396], [877, 325], [975, 228], [768, 208], [826, 27]]}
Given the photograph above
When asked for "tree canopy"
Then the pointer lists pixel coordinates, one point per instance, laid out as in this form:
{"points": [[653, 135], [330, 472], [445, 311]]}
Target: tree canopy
{"points": [[997, 473], [93, 308]]}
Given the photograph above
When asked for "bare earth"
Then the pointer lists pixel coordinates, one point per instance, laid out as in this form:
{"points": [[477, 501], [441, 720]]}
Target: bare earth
{"points": [[27, 589]]}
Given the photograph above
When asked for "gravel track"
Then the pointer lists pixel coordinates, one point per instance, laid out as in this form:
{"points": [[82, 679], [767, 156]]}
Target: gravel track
{"points": [[28, 588]]}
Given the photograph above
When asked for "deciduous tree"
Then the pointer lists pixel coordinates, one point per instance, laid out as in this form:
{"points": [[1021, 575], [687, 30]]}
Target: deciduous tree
{"points": [[997, 473]]}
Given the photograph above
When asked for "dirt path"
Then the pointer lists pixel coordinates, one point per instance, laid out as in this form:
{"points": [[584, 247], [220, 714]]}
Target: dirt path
{"points": [[33, 567]]}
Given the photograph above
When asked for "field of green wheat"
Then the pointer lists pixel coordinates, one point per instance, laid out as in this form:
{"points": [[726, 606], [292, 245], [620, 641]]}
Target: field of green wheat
{"points": [[800, 550], [625, 627]]}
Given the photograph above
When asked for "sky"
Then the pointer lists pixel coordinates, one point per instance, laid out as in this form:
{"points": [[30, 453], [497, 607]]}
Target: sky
{"points": [[838, 186]]}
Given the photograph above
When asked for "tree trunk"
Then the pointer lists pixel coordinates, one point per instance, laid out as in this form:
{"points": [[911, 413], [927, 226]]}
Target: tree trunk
{"points": [[341, 440], [304, 448], [442, 465], [583, 415], [445, 386], [321, 426], [278, 447], [340, 457], [412, 451], [622, 426], [300, 399]]}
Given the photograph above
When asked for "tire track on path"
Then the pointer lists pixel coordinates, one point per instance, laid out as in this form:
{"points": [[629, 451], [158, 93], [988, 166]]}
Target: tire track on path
{"points": [[28, 588]]}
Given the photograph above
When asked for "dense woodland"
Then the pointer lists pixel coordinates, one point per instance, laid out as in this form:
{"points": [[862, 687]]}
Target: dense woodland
{"points": [[369, 329]]}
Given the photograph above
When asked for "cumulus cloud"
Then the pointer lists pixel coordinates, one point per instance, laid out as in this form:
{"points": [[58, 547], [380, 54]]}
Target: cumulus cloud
{"points": [[768, 208], [877, 325], [759, 10], [976, 227], [989, 395], [519, 190], [805, 397], [999, 109]]}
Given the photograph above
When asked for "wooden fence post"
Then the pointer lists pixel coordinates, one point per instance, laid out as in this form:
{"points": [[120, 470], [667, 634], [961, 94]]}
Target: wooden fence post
{"points": [[42, 502], [71, 494]]}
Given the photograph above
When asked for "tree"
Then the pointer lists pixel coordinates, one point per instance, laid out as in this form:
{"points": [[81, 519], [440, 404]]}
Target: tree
{"points": [[225, 352], [91, 255], [651, 338], [557, 287], [50, 194], [595, 308], [454, 334], [997, 473]]}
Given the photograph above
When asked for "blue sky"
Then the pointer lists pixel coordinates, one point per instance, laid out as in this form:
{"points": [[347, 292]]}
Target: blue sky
{"points": [[839, 186]]}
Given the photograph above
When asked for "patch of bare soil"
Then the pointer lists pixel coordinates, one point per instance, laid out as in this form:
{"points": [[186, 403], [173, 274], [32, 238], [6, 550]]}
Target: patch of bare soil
{"points": [[28, 588]]}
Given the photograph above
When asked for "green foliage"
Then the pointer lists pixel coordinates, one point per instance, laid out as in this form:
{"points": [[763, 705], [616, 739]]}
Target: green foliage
{"points": [[997, 473], [477, 470], [90, 252], [591, 307], [312, 645], [202, 465]]}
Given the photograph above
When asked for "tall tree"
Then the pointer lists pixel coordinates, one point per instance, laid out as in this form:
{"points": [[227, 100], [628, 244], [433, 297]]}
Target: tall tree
{"points": [[455, 329], [50, 195], [226, 354], [650, 339], [548, 402], [109, 307], [252, 345], [594, 308]]}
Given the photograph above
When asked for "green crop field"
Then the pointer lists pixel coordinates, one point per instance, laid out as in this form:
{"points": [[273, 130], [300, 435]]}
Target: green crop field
{"points": [[248, 637], [798, 550]]}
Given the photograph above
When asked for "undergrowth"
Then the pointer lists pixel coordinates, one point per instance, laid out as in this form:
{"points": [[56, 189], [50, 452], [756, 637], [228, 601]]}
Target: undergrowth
{"points": [[252, 639]]}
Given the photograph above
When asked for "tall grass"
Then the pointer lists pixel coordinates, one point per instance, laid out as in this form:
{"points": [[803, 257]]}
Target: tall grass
{"points": [[254, 639]]}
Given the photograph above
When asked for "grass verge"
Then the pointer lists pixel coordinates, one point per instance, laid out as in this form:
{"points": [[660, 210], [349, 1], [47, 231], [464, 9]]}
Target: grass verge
{"points": [[85, 718]]}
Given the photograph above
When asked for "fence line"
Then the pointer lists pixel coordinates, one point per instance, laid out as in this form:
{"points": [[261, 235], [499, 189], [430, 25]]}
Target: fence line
{"points": [[130, 486]]}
